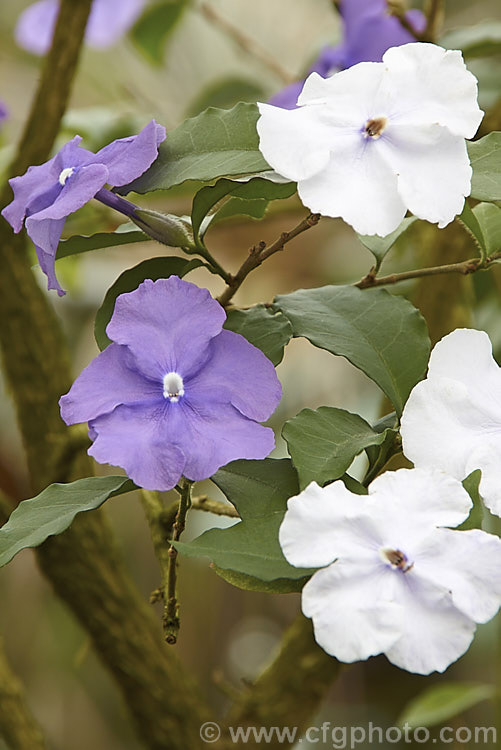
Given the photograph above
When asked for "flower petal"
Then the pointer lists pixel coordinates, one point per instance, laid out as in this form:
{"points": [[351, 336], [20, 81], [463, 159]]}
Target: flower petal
{"points": [[238, 373], [136, 438], [79, 188], [433, 168], [323, 523], [109, 380], [468, 564], [167, 324], [433, 632], [46, 235], [109, 20], [35, 26], [127, 158], [293, 142], [435, 87], [359, 187], [353, 610], [211, 435], [417, 501]]}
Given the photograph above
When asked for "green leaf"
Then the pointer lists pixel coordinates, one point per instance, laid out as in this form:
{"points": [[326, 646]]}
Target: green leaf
{"points": [[380, 246], [381, 334], [254, 209], [154, 27], [268, 330], [249, 583], [324, 442], [225, 94], [441, 702], [250, 547], [269, 187], [475, 41], [484, 223], [214, 144], [476, 517], [153, 268], [485, 158], [258, 488], [53, 510], [83, 243]]}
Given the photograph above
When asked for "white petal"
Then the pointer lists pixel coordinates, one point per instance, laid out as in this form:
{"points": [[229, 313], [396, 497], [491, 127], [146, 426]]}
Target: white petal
{"points": [[468, 564], [295, 142], [354, 615], [434, 632], [434, 87], [415, 501], [433, 168], [323, 523], [487, 458], [358, 186], [352, 96]]}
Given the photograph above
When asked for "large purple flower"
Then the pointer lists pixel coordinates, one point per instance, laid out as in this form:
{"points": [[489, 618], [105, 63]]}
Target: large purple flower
{"points": [[108, 21], [174, 394], [368, 31], [45, 195]]}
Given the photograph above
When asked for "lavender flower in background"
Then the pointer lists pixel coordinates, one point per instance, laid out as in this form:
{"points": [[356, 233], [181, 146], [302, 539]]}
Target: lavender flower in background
{"points": [[108, 21], [368, 31], [175, 394], [45, 195], [393, 580], [4, 112], [378, 139], [452, 420]]}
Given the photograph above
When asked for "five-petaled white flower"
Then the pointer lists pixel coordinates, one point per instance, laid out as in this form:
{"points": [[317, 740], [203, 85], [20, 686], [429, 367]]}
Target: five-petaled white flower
{"points": [[393, 579], [452, 420], [378, 139]]}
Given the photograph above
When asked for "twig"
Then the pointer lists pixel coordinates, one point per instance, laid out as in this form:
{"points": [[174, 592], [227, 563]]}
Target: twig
{"points": [[465, 267], [171, 615], [258, 253], [203, 502], [434, 11], [246, 43]]}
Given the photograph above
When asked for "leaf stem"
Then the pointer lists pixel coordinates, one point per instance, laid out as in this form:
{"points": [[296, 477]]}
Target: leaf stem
{"points": [[202, 250], [259, 253]]}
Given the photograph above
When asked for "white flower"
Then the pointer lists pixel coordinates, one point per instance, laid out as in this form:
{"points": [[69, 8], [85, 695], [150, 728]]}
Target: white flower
{"points": [[395, 582], [452, 420], [372, 141]]}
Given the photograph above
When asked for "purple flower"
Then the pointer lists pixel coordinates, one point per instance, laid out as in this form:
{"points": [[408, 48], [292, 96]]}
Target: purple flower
{"points": [[174, 394], [4, 112], [368, 31], [108, 21], [45, 195]]}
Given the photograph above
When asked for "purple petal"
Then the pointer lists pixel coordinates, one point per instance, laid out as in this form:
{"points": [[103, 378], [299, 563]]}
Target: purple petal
{"points": [[111, 19], [46, 235], [127, 158], [167, 324], [287, 97], [35, 26], [211, 435], [79, 188], [329, 60], [109, 380], [136, 438], [239, 373], [4, 112]]}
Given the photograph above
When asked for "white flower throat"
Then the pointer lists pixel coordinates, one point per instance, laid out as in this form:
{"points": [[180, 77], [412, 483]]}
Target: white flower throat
{"points": [[65, 173], [173, 387]]}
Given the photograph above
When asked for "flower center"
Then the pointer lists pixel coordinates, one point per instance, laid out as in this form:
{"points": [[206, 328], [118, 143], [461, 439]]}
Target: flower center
{"points": [[173, 387], [66, 172], [374, 127], [396, 558]]}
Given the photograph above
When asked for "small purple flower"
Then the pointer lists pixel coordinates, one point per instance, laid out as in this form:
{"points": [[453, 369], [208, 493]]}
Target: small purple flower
{"points": [[174, 394], [4, 112], [45, 195], [108, 21], [368, 31]]}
